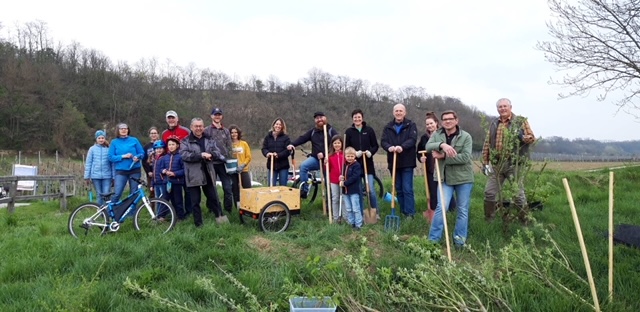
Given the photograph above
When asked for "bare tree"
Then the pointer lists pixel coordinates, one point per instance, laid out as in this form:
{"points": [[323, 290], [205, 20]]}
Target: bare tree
{"points": [[597, 44]]}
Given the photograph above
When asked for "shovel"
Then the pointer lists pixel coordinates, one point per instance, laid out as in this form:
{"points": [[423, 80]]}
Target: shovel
{"points": [[392, 222], [370, 215], [443, 209], [428, 214]]}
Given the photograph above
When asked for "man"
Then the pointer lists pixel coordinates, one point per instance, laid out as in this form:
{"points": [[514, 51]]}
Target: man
{"points": [[175, 130], [222, 139], [316, 136], [451, 146], [400, 137], [363, 139], [505, 147], [198, 153]]}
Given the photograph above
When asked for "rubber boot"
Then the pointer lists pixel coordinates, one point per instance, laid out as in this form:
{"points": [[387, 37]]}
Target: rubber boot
{"points": [[489, 210]]}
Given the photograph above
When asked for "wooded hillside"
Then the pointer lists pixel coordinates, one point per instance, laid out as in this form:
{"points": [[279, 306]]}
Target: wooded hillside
{"points": [[55, 97]]}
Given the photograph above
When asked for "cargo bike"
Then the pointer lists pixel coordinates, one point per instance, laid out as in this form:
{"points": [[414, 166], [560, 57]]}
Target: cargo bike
{"points": [[272, 206]]}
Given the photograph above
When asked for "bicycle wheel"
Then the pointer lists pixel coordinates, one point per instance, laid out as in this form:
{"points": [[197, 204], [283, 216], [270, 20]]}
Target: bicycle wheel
{"points": [[87, 220], [275, 217], [159, 216], [306, 197]]}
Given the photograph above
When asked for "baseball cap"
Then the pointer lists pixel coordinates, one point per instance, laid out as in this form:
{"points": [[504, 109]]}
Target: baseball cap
{"points": [[216, 111], [318, 114], [171, 114]]}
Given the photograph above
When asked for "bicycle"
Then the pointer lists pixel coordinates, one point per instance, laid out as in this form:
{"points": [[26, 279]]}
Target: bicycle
{"points": [[153, 215], [314, 181], [308, 187]]}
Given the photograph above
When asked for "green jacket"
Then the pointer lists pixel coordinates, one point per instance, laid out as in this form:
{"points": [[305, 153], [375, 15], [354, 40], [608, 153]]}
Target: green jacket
{"points": [[454, 170]]}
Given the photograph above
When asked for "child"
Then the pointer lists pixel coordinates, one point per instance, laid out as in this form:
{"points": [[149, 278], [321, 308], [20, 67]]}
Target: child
{"points": [[352, 188], [336, 164], [158, 183], [172, 167], [98, 169]]}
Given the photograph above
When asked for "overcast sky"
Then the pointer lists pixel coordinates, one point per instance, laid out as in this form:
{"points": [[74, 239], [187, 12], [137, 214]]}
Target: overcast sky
{"points": [[477, 51]]}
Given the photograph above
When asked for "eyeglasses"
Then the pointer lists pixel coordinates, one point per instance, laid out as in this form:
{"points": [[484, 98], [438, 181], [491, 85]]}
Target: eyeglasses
{"points": [[448, 119]]}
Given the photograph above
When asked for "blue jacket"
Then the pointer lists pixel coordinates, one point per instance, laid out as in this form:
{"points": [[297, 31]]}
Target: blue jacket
{"points": [[173, 162], [121, 146], [158, 177], [98, 165], [352, 184]]}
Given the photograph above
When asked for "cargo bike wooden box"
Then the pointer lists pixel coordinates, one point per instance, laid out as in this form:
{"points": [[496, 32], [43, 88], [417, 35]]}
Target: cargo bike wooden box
{"points": [[271, 206]]}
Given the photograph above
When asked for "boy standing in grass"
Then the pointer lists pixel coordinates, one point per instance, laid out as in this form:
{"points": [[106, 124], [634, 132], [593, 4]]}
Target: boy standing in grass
{"points": [[350, 181]]}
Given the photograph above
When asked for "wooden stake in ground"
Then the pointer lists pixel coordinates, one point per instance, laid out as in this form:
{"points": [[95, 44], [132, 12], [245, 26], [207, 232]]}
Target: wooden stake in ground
{"points": [[583, 248], [443, 210], [426, 186], [611, 236], [326, 180]]}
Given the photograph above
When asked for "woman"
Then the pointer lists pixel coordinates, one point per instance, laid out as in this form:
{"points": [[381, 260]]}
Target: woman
{"points": [[125, 153], [98, 169], [275, 145], [154, 136], [432, 124], [242, 153]]}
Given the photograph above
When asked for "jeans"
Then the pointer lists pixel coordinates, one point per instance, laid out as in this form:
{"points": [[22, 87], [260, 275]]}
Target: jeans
{"points": [[404, 191], [373, 196], [225, 180], [120, 182], [175, 197], [236, 178], [463, 198], [279, 176], [354, 214], [336, 208], [309, 164], [212, 200], [102, 186]]}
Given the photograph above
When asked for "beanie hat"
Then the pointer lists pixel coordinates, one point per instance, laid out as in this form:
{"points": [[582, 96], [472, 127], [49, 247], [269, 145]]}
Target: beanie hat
{"points": [[100, 133]]}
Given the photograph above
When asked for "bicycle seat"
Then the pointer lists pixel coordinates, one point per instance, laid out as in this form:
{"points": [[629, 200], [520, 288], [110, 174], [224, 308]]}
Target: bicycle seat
{"points": [[107, 196]]}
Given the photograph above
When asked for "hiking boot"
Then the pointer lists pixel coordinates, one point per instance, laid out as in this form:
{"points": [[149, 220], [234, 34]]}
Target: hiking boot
{"points": [[489, 210]]}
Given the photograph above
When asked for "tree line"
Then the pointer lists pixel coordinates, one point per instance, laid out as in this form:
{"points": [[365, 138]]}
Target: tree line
{"points": [[54, 97]]}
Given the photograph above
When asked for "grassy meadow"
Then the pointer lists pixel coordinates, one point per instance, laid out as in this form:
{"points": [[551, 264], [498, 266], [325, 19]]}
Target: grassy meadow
{"points": [[520, 268]]}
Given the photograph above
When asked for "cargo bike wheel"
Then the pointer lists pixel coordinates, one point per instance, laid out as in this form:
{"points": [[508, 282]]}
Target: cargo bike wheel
{"points": [[275, 217]]}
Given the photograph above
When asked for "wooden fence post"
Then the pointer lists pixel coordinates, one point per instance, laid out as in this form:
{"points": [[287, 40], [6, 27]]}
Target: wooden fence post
{"points": [[63, 192], [13, 192]]}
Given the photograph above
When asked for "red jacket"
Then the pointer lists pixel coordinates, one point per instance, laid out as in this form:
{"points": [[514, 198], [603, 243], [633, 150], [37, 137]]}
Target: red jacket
{"points": [[336, 162], [178, 131]]}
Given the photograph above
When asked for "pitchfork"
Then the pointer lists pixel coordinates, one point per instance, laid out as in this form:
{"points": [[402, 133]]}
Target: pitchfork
{"points": [[392, 222]]}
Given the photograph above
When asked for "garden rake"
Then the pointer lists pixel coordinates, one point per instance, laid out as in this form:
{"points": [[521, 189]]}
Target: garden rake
{"points": [[392, 221]]}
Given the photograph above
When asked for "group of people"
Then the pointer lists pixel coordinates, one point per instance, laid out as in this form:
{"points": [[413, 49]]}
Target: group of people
{"points": [[188, 162]]}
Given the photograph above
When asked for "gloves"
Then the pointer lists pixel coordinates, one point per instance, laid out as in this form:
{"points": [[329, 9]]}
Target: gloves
{"points": [[487, 170], [359, 154], [368, 154], [241, 167]]}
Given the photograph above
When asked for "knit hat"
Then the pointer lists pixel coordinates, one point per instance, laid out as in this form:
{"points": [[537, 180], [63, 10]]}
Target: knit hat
{"points": [[100, 133]]}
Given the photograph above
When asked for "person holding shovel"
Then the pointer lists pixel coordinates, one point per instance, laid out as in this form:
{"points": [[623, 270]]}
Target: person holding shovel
{"points": [[363, 139], [316, 136], [400, 137], [451, 146], [336, 168], [432, 124], [275, 145]]}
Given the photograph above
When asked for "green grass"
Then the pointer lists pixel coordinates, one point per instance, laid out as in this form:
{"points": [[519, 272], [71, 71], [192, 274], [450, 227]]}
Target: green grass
{"points": [[43, 268]]}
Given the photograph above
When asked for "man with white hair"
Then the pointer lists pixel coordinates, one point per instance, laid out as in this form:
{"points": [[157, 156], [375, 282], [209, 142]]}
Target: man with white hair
{"points": [[399, 137], [505, 146]]}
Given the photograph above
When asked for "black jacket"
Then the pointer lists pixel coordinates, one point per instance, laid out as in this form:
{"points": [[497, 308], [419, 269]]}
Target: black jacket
{"points": [[364, 140], [316, 136], [422, 146], [277, 145], [407, 138]]}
